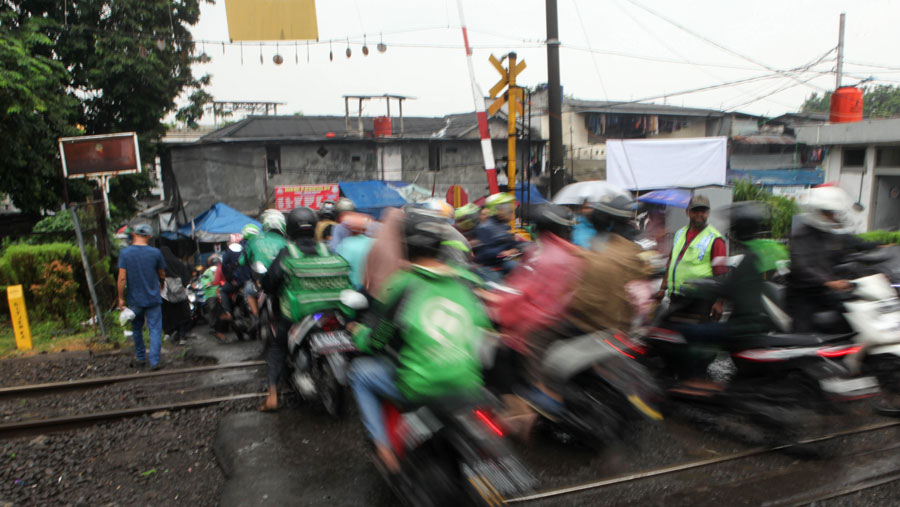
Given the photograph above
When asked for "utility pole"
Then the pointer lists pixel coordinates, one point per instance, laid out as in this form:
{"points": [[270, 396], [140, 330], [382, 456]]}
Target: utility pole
{"points": [[840, 52], [554, 99]]}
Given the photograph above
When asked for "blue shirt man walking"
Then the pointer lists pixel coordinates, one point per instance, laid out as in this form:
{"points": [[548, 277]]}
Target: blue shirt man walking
{"points": [[142, 273]]}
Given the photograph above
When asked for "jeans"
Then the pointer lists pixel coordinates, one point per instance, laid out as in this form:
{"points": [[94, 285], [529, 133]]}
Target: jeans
{"points": [[153, 315], [372, 378]]}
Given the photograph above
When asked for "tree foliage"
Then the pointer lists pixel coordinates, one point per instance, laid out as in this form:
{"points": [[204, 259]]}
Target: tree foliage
{"points": [[879, 101], [106, 66], [781, 208]]}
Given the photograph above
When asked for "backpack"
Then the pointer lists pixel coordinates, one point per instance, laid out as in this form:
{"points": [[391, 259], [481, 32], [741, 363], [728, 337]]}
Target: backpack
{"points": [[312, 283]]}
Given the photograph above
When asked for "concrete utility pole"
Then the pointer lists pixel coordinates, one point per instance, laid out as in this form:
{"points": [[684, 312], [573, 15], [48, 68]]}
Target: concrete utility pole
{"points": [[840, 52], [554, 99]]}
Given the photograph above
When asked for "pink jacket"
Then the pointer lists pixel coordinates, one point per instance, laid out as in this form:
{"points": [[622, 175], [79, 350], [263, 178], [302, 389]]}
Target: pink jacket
{"points": [[545, 282]]}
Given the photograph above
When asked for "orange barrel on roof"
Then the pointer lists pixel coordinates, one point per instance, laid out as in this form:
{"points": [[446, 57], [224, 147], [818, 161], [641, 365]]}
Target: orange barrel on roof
{"points": [[382, 126], [846, 105]]}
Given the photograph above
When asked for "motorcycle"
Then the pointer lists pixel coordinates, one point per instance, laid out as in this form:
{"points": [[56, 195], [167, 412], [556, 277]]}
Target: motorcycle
{"points": [[604, 390], [196, 300], [452, 452], [871, 309], [318, 350], [775, 374]]}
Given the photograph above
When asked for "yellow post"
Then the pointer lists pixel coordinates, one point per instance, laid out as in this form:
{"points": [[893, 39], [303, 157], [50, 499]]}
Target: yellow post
{"points": [[511, 102], [19, 313]]}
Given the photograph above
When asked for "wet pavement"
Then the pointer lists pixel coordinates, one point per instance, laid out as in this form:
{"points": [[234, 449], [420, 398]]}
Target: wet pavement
{"points": [[301, 456]]}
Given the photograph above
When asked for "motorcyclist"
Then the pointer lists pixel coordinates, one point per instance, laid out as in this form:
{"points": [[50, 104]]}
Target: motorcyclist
{"points": [[818, 243], [493, 244], [466, 218], [742, 285], [327, 220], [207, 283], [428, 324], [262, 248], [304, 277], [355, 248], [339, 232], [230, 277]]}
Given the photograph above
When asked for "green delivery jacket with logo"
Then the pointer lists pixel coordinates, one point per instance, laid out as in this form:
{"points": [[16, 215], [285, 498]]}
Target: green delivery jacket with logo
{"points": [[432, 324], [264, 248]]}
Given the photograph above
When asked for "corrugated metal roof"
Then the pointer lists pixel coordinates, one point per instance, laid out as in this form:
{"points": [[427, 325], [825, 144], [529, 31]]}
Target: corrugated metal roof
{"points": [[761, 139], [321, 127]]}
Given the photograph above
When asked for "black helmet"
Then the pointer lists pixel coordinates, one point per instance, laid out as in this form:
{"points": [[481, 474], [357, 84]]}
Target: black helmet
{"points": [[612, 213], [327, 211], [301, 223], [748, 219], [552, 218], [424, 231]]}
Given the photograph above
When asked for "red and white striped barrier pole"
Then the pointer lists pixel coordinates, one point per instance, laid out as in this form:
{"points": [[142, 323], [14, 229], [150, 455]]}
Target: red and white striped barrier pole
{"points": [[487, 149]]}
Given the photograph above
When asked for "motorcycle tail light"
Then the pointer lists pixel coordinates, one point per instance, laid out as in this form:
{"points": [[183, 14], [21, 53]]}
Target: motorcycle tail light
{"points": [[618, 349], [481, 415], [329, 324], [834, 352], [624, 340]]}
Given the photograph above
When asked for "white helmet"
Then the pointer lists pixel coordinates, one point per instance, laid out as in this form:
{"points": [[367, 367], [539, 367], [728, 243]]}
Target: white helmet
{"points": [[826, 208], [273, 220]]}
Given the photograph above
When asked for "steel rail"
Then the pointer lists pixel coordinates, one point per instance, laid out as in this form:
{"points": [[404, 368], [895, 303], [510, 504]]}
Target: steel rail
{"points": [[621, 479], [32, 424], [88, 382], [873, 483]]}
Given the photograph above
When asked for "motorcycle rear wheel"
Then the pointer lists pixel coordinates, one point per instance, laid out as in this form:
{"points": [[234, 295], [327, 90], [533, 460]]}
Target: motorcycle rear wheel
{"points": [[331, 392]]}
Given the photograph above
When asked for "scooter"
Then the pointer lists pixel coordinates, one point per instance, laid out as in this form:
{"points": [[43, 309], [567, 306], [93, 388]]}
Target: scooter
{"points": [[774, 374], [319, 347], [604, 389], [452, 452], [872, 310]]}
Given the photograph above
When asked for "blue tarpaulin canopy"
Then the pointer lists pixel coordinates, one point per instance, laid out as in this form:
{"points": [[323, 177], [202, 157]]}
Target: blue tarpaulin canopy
{"points": [[670, 197], [523, 194], [216, 224], [371, 196]]}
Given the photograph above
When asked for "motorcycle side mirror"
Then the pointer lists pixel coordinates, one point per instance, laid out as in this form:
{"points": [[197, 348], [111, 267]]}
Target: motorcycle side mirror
{"points": [[354, 300], [259, 268]]}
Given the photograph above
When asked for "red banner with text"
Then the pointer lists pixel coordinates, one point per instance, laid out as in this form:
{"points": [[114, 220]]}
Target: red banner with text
{"points": [[312, 196]]}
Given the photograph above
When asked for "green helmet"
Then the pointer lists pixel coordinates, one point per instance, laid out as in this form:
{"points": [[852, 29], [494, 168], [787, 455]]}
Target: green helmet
{"points": [[495, 200], [273, 220], [250, 230], [466, 217]]}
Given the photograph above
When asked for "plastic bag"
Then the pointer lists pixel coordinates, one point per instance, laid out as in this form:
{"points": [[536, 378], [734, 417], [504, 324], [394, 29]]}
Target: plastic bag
{"points": [[127, 315]]}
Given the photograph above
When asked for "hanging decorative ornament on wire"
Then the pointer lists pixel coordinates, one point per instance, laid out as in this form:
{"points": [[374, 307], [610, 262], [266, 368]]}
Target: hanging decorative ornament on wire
{"points": [[365, 48], [143, 52], [381, 46], [348, 52], [204, 58], [160, 44], [277, 58]]}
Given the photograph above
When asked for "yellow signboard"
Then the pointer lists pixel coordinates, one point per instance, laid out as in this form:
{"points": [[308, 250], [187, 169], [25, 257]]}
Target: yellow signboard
{"points": [[22, 330], [253, 20]]}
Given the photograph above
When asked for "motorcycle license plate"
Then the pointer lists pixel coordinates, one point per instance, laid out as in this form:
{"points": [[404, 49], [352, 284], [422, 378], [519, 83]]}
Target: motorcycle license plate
{"points": [[332, 341], [850, 387]]}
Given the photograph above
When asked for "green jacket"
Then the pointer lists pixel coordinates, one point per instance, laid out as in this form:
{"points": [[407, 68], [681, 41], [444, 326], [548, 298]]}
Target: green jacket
{"points": [[431, 323], [696, 261], [206, 281], [264, 248]]}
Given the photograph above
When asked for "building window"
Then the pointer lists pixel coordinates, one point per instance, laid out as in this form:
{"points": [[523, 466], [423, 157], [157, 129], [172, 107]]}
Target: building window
{"points": [[355, 158], [888, 157], [854, 157], [450, 149], [273, 160], [434, 156]]}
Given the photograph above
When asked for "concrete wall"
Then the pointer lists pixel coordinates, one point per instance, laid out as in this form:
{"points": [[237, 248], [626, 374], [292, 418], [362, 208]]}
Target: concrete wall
{"points": [[234, 173], [207, 174], [696, 128]]}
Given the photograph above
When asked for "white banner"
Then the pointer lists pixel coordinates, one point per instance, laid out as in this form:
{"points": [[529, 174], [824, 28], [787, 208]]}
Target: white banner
{"points": [[644, 164]]}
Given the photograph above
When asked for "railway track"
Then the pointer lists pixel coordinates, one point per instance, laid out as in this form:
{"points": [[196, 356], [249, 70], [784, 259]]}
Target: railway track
{"points": [[635, 477], [174, 392]]}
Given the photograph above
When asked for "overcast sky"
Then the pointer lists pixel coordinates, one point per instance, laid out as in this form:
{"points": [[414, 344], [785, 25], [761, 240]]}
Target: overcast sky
{"points": [[612, 50]]}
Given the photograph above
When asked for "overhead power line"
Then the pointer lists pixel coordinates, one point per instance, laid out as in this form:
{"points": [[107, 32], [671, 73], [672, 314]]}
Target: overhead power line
{"points": [[714, 43]]}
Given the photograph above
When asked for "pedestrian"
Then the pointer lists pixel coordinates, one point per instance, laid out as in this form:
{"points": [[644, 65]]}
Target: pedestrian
{"points": [[142, 273], [176, 309]]}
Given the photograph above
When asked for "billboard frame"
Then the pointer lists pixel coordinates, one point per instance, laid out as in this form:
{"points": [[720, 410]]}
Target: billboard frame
{"points": [[100, 137]]}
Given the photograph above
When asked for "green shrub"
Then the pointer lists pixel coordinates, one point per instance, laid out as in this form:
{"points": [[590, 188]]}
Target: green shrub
{"points": [[24, 264], [782, 208], [882, 237], [57, 293]]}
